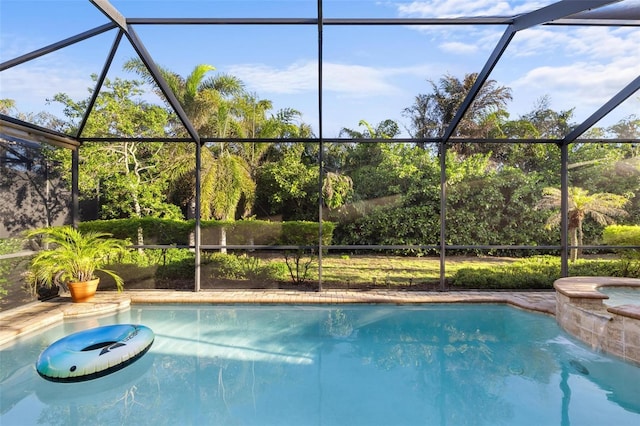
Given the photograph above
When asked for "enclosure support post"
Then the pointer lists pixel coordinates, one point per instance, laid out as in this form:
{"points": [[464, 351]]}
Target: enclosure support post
{"points": [[75, 206], [564, 209], [197, 216], [442, 151], [320, 147]]}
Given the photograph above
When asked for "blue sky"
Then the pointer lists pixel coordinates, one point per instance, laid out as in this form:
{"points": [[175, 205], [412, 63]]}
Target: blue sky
{"points": [[370, 72]]}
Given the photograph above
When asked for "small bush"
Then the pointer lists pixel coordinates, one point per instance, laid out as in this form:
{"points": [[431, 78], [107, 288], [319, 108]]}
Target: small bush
{"points": [[231, 266], [276, 271], [225, 265]]}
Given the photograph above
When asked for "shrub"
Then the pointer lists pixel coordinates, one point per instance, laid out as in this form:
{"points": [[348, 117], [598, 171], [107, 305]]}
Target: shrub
{"points": [[232, 266], [533, 273], [155, 230], [625, 235], [166, 231], [538, 272], [621, 235], [225, 265], [7, 246], [414, 225], [275, 271]]}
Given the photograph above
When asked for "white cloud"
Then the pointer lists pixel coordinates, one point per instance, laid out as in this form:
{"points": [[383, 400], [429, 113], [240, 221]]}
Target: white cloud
{"points": [[458, 8], [457, 47], [346, 79], [295, 78], [577, 67], [603, 42], [462, 40], [585, 86], [31, 85], [599, 43], [358, 80]]}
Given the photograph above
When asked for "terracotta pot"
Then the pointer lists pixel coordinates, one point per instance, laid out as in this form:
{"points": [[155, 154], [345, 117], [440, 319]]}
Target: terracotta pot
{"points": [[83, 291]]}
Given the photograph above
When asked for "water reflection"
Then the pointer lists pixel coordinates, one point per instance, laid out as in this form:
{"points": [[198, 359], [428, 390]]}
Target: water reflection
{"points": [[453, 365]]}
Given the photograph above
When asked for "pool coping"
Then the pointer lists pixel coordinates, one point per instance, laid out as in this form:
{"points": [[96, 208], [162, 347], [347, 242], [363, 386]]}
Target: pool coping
{"points": [[20, 321]]}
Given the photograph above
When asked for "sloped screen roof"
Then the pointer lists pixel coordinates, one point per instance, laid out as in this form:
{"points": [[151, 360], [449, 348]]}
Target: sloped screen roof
{"points": [[336, 62]]}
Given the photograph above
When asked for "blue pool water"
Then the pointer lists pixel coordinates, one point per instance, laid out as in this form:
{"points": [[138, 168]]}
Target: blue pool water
{"points": [[621, 295], [332, 365]]}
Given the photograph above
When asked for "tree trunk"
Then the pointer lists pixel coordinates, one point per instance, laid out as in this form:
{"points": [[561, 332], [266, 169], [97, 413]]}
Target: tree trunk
{"points": [[191, 214], [223, 239], [138, 210], [573, 233], [579, 240]]}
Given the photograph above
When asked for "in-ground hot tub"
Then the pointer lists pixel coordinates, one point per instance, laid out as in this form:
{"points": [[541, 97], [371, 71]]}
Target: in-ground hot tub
{"points": [[582, 312], [621, 295]]}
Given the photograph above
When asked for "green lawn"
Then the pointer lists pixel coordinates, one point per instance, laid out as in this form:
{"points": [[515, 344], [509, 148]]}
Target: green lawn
{"points": [[395, 270]]}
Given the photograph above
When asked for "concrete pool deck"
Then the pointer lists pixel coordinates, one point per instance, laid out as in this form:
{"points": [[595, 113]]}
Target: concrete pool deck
{"points": [[35, 316]]}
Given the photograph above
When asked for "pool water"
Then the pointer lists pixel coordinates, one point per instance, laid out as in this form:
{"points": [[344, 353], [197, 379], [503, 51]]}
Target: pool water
{"points": [[621, 295], [332, 365]]}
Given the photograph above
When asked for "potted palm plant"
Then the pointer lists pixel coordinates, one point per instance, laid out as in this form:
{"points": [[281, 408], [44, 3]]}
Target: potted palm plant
{"points": [[72, 258]]}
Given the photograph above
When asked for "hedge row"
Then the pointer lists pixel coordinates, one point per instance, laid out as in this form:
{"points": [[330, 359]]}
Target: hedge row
{"points": [[244, 232], [622, 235], [538, 272]]}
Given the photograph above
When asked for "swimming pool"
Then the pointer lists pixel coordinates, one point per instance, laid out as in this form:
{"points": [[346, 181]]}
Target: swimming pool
{"points": [[457, 364], [621, 295]]}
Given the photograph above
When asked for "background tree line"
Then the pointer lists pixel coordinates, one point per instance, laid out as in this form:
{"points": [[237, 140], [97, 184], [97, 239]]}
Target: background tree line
{"points": [[383, 192]]}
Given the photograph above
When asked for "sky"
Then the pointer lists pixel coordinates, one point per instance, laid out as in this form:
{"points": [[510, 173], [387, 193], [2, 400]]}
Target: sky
{"points": [[370, 73]]}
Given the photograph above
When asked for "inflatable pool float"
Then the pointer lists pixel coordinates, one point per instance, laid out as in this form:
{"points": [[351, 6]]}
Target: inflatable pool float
{"points": [[94, 353]]}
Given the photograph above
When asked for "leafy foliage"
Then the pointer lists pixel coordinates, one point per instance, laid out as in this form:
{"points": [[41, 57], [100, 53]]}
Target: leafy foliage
{"points": [[382, 192], [7, 246], [415, 225], [165, 231], [602, 207], [245, 267], [619, 235], [73, 256], [157, 230], [537, 272], [625, 235]]}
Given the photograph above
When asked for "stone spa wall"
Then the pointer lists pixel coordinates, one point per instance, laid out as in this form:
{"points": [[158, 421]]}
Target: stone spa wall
{"points": [[581, 312]]}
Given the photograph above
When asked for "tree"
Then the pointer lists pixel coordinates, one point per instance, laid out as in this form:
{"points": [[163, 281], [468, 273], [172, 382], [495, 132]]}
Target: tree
{"points": [[549, 124], [386, 129], [7, 105], [432, 113], [602, 207], [128, 178], [208, 103], [288, 185], [204, 99], [254, 122]]}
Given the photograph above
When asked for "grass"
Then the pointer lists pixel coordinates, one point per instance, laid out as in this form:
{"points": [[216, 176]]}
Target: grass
{"points": [[394, 271]]}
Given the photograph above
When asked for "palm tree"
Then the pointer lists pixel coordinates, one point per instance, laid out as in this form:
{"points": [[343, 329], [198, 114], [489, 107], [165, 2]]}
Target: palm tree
{"points": [[208, 103], [201, 98], [602, 207], [431, 113]]}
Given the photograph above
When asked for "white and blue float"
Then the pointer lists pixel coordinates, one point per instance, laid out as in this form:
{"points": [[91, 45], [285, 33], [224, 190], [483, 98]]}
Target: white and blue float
{"points": [[94, 353]]}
